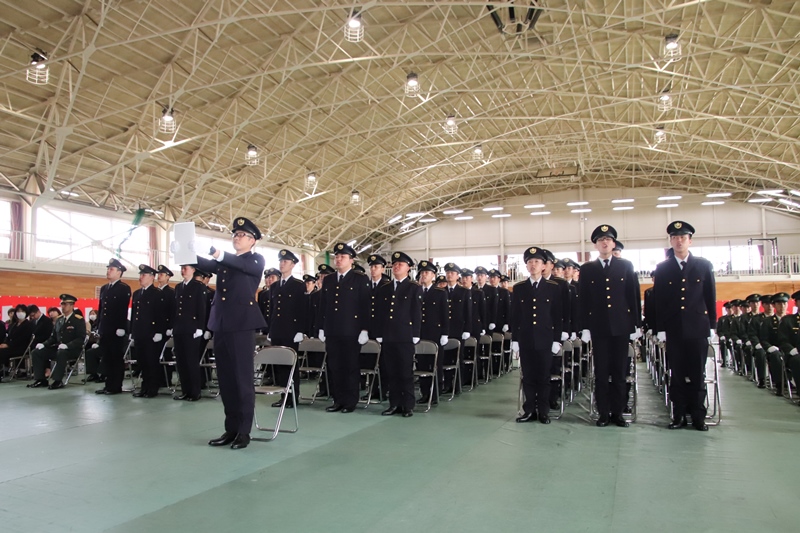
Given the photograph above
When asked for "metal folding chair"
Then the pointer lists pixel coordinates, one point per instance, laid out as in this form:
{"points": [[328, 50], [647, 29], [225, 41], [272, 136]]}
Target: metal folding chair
{"points": [[313, 348], [484, 355], [559, 378], [452, 364], [370, 358], [277, 356], [497, 354], [507, 366], [208, 365], [632, 380], [24, 358], [469, 357], [427, 349], [714, 417], [167, 363]]}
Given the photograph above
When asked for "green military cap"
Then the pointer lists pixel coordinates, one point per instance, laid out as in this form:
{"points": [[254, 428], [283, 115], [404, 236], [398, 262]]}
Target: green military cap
{"points": [[67, 299], [780, 297]]}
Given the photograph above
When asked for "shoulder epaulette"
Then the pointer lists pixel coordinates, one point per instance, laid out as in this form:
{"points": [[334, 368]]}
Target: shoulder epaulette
{"points": [[551, 282], [520, 282]]}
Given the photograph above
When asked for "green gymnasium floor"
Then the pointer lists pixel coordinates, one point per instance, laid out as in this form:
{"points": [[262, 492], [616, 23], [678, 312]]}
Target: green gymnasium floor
{"points": [[74, 461]]}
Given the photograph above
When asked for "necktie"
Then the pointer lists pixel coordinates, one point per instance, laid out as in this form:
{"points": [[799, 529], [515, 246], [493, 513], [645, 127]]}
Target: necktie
{"points": [[283, 282], [395, 285], [535, 285], [683, 264], [605, 264], [451, 290], [424, 290], [340, 278]]}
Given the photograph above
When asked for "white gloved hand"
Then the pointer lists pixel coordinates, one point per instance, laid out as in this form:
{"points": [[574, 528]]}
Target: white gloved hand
{"points": [[586, 336], [505, 328], [492, 326], [197, 333], [650, 332], [321, 335], [515, 346], [298, 337], [39, 346], [793, 351], [483, 332], [169, 333], [120, 333], [661, 336], [62, 346], [739, 341], [379, 339], [465, 336], [415, 340], [564, 336], [722, 338], [363, 337], [207, 335], [443, 340], [95, 346], [758, 346], [556, 347], [748, 343], [157, 337], [573, 336], [636, 334], [190, 246], [772, 349], [174, 247]]}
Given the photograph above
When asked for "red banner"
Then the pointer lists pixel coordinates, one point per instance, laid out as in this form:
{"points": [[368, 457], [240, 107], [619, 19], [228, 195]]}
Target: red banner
{"points": [[10, 302]]}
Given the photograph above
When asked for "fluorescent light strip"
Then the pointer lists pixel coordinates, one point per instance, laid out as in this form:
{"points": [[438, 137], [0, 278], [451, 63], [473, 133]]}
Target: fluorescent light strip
{"points": [[771, 192], [662, 206], [759, 200], [720, 202], [623, 208], [453, 212], [412, 215], [534, 206], [581, 211], [790, 203], [492, 208], [718, 195], [665, 198], [504, 215], [576, 204], [540, 213], [427, 220], [794, 192], [463, 218], [398, 218], [622, 201]]}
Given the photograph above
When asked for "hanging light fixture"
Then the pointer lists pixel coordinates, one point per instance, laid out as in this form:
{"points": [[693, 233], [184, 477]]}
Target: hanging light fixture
{"points": [[412, 84], [672, 47], [354, 27], [251, 156], [664, 101], [311, 183], [450, 125], [38, 72], [166, 124], [355, 198], [477, 153], [660, 135]]}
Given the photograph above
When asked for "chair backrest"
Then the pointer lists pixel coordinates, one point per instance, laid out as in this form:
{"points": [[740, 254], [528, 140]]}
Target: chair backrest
{"points": [[472, 342], [371, 347], [497, 337], [485, 339], [170, 344], [426, 348], [276, 355], [507, 335], [567, 346], [209, 345], [261, 340], [311, 345]]}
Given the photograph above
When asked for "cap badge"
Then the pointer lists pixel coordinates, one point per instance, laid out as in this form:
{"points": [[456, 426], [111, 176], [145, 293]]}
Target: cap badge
{"points": [[678, 225], [533, 250], [603, 228], [396, 255], [240, 222]]}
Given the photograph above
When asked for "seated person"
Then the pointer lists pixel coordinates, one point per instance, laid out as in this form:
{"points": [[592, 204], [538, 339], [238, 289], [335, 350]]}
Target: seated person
{"points": [[64, 345]]}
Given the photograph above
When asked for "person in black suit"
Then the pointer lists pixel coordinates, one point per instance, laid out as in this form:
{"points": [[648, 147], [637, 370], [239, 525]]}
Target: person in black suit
{"points": [[315, 359], [112, 317], [204, 278], [18, 338], [479, 324], [503, 300], [377, 268], [163, 275], [342, 324], [288, 313], [610, 316], [459, 304], [686, 315], [536, 325], [399, 317], [64, 345], [234, 319], [148, 327], [42, 325], [490, 298], [434, 328], [188, 325]]}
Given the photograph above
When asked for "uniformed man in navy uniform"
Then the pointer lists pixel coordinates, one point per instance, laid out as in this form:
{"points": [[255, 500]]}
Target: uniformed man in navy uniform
{"points": [[188, 325], [441, 281], [490, 298], [686, 315], [435, 328], [617, 250], [610, 316], [163, 275], [112, 315], [148, 327], [204, 278], [315, 359], [377, 267], [310, 282], [536, 327], [234, 319], [343, 323], [399, 318], [459, 303], [64, 345], [271, 276], [789, 337], [503, 300], [288, 311], [771, 339], [479, 324], [754, 333]]}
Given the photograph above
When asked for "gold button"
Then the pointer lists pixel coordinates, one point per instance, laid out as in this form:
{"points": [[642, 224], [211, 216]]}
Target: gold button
{"points": [[223, 298]]}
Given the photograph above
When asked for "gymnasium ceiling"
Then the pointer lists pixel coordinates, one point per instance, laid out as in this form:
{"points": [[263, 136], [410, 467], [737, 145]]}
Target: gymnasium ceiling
{"points": [[567, 100]]}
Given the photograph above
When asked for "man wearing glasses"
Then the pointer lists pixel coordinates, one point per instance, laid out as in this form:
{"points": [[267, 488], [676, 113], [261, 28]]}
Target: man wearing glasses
{"points": [[234, 319]]}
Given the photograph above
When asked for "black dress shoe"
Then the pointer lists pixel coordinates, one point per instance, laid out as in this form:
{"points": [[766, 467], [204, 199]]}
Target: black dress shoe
{"points": [[334, 408], [183, 396], [762, 385], [627, 410], [143, 394], [602, 422], [241, 441], [92, 378], [544, 419], [408, 413], [100, 391], [526, 417], [348, 409], [58, 384], [422, 401], [38, 383], [279, 403], [677, 424], [619, 421], [225, 439], [192, 398], [700, 427], [390, 411], [108, 392]]}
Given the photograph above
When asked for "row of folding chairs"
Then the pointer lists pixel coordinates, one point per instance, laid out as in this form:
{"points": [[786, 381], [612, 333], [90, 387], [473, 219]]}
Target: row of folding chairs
{"points": [[25, 362]]}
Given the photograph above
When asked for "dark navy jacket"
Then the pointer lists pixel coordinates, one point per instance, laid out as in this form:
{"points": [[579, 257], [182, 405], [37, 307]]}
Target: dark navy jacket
{"points": [[234, 305], [610, 300], [112, 311], [344, 307], [398, 312], [190, 308], [686, 300], [435, 315], [536, 314], [288, 309]]}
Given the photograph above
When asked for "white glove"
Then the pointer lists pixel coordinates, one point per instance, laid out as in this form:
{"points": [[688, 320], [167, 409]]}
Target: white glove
{"points": [[650, 332], [443, 340], [515, 346], [269, 339], [157, 337], [492, 326], [564, 336], [465, 336], [363, 337], [190, 246], [793, 351], [505, 328], [748, 343], [207, 335], [321, 335], [174, 247], [555, 348], [415, 340], [722, 338], [758, 346], [62, 346], [573, 336], [39, 346], [379, 339], [636, 334], [586, 336], [661, 336], [169, 333], [197, 333], [298, 337], [739, 341], [772, 349], [95, 346], [483, 332], [120, 333]]}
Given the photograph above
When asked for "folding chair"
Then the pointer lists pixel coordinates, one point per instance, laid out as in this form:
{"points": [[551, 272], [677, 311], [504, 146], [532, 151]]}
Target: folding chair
{"points": [[507, 358], [369, 359], [559, 378], [484, 355], [166, 364], [469, 356], [128, 362], [208, 366], [24, 358], [308, 348], [631, 380], [277, 356], [497, 354], [452, 364], [426, 349], [712, 379], [75, 363], [262, 342]]}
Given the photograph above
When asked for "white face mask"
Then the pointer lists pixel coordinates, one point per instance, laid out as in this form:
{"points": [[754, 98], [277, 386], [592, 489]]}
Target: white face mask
{"points": [[21, 315], [92, 318]]}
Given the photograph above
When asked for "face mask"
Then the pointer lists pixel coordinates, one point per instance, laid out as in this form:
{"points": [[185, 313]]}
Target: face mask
{"points": [[21, 315], [92, 318]]}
